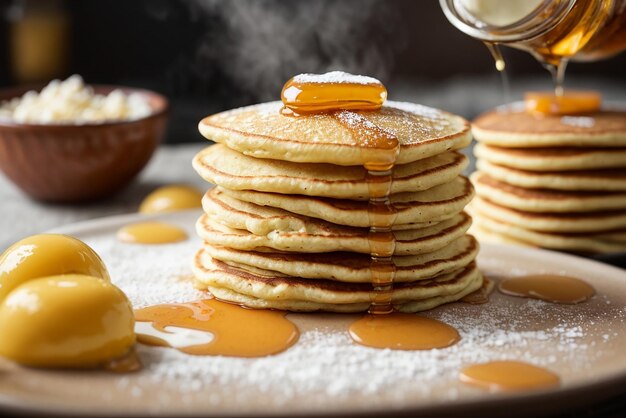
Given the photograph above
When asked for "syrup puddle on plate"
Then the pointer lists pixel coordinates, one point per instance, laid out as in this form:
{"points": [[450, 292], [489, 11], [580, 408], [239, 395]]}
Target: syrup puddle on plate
{"points": [[548, 287], [211, 327], [400, 331], [508, 375]]}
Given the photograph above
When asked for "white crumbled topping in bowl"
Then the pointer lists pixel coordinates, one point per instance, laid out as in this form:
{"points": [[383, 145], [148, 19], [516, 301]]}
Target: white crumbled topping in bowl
{"points": [[335, 77], [73, 102]]}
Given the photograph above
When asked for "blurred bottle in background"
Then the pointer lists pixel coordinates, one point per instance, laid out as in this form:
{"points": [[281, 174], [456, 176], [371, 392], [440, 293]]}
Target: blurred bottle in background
{"points": [[39, 36]]}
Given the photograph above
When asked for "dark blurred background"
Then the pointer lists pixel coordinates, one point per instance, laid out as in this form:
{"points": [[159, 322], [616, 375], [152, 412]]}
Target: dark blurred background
{"points": [[210, 55]]}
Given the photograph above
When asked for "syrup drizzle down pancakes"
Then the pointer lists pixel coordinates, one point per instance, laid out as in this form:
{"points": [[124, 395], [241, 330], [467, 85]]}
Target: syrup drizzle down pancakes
{"points": [[336, 210], [556, 182]]}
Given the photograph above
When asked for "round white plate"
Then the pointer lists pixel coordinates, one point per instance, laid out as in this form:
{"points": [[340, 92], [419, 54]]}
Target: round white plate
{"points": [[325, 373]]}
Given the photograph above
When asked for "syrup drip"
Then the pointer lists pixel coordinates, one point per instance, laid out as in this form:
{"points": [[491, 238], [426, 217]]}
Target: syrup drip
{"points": [[481, 295], [496, 53], [508, 375], [548, 287], [399, 331], [151, 233], [236, 331], [494, 49], [381, 213], [558, 75]]}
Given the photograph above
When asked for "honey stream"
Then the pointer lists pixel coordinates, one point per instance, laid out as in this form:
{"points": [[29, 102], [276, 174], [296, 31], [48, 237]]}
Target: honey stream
{"points": [[496, 53]]}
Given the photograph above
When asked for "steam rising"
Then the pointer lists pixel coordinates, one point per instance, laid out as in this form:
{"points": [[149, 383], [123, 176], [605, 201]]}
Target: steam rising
{"points": [[263, 43]]}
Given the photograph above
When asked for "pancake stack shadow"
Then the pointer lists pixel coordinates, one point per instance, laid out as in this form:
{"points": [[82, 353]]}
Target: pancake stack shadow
{"points": [[287, 224], [556, 182]]}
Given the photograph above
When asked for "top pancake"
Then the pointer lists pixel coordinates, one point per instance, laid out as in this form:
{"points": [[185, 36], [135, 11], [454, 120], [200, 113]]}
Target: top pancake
{"points": [[262, 131], [508, 127]]}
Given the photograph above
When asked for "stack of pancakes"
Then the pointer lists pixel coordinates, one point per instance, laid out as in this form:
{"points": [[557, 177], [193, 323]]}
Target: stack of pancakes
{"points": [[287, 224], [556, 182]]}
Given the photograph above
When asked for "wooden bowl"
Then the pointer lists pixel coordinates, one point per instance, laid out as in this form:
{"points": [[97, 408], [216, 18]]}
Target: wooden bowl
{"points": [[77, 163]]}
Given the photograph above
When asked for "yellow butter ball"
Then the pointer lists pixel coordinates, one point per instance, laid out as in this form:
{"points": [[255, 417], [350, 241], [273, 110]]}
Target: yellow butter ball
{"points": [[171, 198], [47, 255], [66, 321]]}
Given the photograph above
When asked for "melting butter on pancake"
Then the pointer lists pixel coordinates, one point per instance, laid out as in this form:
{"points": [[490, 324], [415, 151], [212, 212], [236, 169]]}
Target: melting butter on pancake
{"points": [[349, 267], [227, 168], [543, 200], [415, 209], [513, 128], [593, 222], [552, 159], [262, 131], [589, 180], [279, 291], [320, 237]]}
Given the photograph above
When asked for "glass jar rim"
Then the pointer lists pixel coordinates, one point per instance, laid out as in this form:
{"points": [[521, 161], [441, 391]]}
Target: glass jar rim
{"points": [[529, 27]]}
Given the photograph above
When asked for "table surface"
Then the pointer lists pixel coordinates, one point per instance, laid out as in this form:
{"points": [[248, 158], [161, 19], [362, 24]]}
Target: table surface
{"points": [[21, 216]]}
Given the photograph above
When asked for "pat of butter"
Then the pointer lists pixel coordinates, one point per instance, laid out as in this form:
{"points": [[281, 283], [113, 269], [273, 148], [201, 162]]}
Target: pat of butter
{"points": [[498, 12]]}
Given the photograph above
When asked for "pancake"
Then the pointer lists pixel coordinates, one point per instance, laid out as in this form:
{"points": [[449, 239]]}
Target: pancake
{"points": [[349, 267], [319, 237], [551, 222], [262, 131], [585, 242], [510, 127], [415, 209], [232, 170], [617, 236], [484, 235], [543, 200], [262, 220], [590, 180], [304, 306], [552, 159], [279, 291]]}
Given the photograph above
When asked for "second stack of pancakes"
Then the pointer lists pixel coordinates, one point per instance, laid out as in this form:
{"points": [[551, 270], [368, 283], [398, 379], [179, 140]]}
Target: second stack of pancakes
{"points": [[287, 224], [556, 182]]}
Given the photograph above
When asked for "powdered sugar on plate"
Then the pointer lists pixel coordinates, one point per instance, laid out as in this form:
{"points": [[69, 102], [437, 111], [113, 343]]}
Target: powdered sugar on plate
{"points": [[325, 371]]}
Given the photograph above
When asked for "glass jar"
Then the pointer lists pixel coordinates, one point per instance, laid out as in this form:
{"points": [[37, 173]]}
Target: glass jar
{"points": [[551, 30]]}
